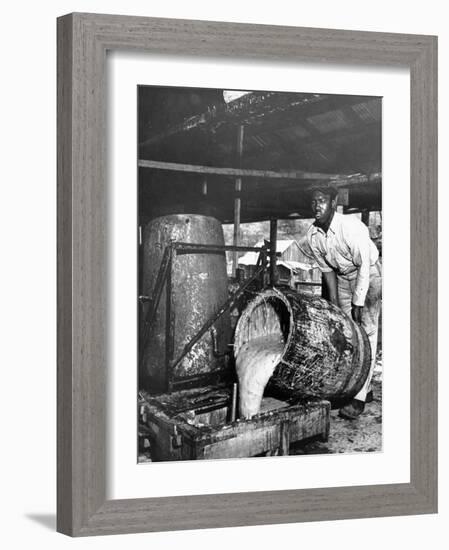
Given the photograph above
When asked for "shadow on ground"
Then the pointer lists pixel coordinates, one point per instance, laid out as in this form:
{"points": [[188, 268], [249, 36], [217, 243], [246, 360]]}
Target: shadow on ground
{"points": [[46, 520], [352, 436]]}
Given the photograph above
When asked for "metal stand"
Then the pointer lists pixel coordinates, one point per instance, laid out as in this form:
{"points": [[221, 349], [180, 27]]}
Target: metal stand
{"points": [[165, 278]]}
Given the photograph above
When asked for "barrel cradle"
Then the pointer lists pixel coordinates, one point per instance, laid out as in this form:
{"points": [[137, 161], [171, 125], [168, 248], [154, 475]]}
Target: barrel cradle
{"points": [[325, 354]]}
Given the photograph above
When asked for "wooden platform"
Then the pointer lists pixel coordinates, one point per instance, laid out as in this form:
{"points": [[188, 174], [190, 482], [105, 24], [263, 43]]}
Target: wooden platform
{"points": [[195, 424]]}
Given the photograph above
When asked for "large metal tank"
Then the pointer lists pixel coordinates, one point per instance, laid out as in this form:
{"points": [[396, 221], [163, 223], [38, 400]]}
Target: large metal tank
{"points": [[199, 282], [325, 354]]}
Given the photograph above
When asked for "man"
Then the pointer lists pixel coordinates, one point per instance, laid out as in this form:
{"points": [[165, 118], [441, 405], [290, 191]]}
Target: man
{"points": [[348, 259]]}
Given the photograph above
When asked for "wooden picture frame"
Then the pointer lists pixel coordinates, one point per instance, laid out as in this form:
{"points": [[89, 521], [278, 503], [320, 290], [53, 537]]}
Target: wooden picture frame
{"points": [[83, 40]]}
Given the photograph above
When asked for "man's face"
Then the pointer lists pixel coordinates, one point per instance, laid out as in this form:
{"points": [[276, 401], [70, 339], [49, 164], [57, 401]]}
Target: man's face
{"points": [[322, 207]]}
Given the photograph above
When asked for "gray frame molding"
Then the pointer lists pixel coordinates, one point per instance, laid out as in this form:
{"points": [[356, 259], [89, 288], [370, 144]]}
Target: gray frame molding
{"points": [[83, 40]]}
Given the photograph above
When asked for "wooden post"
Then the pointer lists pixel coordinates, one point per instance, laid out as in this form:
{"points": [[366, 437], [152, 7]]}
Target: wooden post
{"points": [[237, 202], [343, 196], [273, 243], [365, 217]]}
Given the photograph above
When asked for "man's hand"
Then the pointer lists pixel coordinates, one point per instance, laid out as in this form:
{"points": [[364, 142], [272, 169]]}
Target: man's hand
{"points": [[356, 312]]}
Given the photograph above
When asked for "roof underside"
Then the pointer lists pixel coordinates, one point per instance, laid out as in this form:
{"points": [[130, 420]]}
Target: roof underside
{"points": [[325, 137]]}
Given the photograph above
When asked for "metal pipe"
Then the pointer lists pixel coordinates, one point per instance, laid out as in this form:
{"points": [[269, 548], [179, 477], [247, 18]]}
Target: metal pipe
{"points": [[215, 350], [169, 323], [273, 243], [213, 319], [154, 301], [234, 402], [190, 248]]}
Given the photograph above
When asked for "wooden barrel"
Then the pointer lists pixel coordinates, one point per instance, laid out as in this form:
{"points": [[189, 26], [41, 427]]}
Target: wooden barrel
{"points": [[325, 353], [199, 283]]}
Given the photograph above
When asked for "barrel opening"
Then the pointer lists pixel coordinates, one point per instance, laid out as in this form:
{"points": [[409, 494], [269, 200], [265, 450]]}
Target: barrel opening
{"points": [[268, 317], [263, 333]]}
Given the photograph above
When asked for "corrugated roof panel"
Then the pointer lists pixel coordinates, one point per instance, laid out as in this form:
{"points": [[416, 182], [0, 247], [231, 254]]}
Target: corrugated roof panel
{"points": [[370, 111], [327, 122], [294, 132]]}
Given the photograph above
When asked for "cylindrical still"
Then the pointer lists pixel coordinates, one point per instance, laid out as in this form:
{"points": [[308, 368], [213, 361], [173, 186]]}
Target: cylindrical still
{"points": [[314, 349], [199, 285]]}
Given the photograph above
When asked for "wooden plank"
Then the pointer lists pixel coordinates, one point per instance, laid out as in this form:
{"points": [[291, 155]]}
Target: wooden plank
{"points": [[245, 445], [316, 422], [284, 431], [253, 173], [261, 435]]}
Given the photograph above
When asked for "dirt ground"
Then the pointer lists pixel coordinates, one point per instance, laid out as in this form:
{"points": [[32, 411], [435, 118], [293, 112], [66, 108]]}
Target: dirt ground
{"points": [[352, 436]]}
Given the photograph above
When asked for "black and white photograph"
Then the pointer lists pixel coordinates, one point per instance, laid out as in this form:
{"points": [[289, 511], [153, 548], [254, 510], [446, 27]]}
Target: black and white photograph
{"points": [[260, 273], [226, 233]]}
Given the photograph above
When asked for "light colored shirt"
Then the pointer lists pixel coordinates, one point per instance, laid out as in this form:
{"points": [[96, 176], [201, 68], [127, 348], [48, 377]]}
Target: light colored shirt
{"points": [[347, 249]]}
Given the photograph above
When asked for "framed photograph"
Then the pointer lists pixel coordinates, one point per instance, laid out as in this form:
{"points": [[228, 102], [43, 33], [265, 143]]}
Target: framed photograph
{"points": [[225, 231], [241, 356]]}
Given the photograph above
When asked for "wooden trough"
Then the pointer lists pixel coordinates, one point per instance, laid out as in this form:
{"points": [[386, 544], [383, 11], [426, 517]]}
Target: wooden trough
{"points": [[195, 424]]}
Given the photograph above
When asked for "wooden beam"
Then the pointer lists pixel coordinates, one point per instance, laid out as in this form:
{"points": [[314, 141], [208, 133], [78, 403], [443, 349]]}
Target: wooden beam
{"points": [[237, 201], [269, 174]]}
